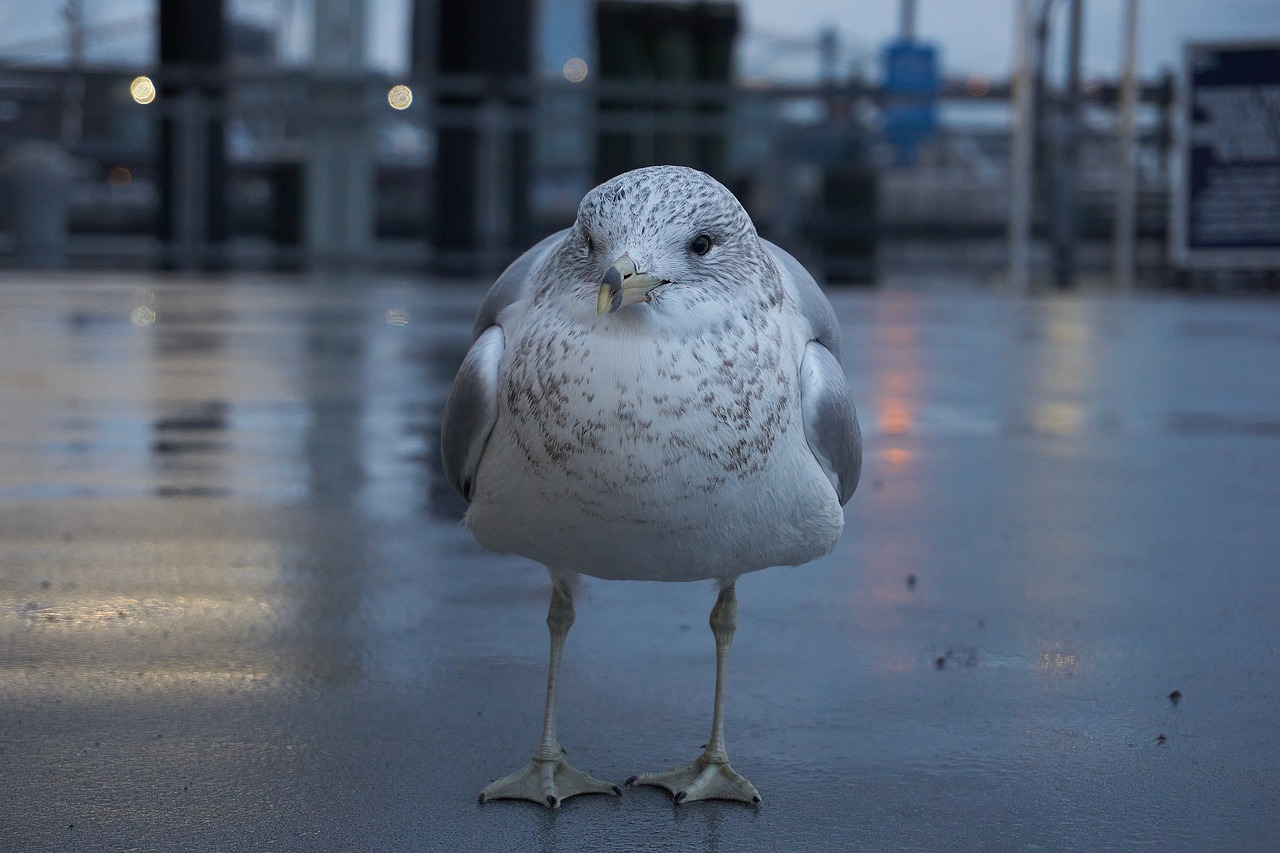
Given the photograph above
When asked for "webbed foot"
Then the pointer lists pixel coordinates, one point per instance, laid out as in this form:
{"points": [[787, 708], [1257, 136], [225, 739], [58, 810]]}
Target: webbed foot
{"points": [[702, 780], [547, 782]]}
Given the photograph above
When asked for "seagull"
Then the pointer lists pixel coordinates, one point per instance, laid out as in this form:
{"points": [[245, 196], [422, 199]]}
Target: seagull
{"points": [[654, 393]]}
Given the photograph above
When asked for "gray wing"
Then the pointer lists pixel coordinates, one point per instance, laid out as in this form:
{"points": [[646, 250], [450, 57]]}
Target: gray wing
{"points": [[512, 285], [808, 297], [830, 419], [472, 408], [471, 411]]}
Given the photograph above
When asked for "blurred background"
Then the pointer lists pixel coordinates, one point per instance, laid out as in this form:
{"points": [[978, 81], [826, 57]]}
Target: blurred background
{"points": [[242, 244], [1023, 143]]}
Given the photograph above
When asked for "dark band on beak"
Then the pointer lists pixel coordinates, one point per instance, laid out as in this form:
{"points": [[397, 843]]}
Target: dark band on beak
{"points": [[624, 284], [613, 278]]}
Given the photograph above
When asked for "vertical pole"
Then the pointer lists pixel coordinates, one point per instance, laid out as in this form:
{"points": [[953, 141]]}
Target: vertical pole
{"points": [[73, 95], [492, 186], [1126, 184], [340, 174], [1066, 230], [907, 20], [828, 58], [828, 55], [192, 224], [191, 185], [1021, 164]]}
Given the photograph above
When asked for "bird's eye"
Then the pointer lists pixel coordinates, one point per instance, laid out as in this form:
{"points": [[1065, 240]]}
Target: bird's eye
{"points": [[700, 245]]}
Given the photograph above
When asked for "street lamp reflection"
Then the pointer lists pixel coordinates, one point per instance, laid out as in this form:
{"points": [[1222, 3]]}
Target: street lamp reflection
{"points": [[1058, 419], [897, 455]]}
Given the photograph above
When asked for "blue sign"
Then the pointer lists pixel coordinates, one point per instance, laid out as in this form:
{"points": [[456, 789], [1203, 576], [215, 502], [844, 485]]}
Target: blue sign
{"points": [[910, 96]]}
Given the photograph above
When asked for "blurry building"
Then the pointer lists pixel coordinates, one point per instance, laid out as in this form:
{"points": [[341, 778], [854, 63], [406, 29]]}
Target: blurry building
{"points": [[564, 136], [250, 44], [476, 55], [191, 164], [519, 108], [665, 74]]}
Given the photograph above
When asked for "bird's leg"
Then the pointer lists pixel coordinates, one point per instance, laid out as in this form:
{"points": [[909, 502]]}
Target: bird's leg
{"points": [[548, 778], [559, 620], [710, 777], [724, 622]]}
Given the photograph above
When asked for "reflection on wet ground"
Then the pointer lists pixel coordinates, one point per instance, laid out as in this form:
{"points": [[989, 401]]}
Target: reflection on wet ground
{"points": [[237, 609], [224, 391]]}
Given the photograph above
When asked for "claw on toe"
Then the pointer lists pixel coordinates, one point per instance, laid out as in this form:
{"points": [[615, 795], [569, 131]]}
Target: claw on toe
{"points": [[548, 783]]}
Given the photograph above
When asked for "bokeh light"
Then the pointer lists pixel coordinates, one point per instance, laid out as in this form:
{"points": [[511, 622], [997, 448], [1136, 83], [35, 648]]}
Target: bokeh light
{"points": [[119, 177], [977, 85], [400, 97], [575, 70], [142, 90]]}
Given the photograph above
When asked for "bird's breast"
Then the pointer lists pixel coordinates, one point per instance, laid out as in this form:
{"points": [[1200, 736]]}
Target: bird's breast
{"points": [[659, 458], [632, 419]]}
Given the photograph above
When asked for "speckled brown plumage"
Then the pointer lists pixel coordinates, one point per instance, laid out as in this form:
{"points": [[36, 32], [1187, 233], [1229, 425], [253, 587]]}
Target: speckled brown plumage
{"points": [[666, 440], [694, 423]]}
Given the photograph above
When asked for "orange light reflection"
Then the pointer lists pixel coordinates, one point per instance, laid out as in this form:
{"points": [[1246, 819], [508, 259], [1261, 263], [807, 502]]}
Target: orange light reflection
{"points": [[884, 593], [897, 456], [896, 417]]}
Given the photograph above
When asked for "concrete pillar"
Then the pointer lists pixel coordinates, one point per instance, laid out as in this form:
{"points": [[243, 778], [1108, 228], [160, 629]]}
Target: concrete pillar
{"points": [[1022, 165], [340, 164], [1126, 136], [37, 180], [1066, 225], [193, 222]]}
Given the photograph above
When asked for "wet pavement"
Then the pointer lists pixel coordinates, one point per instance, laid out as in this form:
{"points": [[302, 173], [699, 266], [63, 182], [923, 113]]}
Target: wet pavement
{"points": [[237, 610]]}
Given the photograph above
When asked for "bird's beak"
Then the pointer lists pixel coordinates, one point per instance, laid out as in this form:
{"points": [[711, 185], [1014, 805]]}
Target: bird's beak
{"points": [[623, 285]]}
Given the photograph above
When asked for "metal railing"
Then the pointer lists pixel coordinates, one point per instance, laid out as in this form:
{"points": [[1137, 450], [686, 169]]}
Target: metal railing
{"points": [[778, 140]]}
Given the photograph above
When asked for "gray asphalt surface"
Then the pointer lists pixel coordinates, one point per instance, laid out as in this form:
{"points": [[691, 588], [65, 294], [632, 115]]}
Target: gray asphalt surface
{"points": [[237, 610]]}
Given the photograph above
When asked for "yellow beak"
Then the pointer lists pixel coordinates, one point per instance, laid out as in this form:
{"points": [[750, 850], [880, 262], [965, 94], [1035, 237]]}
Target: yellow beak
{"points": [[624, 284]]}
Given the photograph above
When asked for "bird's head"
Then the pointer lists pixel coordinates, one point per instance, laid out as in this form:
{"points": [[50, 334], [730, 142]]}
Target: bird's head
{"points": [[664, 239]]}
